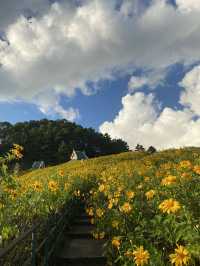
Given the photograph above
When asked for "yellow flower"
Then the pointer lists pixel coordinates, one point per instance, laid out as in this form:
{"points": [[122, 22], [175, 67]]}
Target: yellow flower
{"points": [[99, 212], [129, 254], [141, 256], [126, 207], [61, 173], [90, 211], [169, 206], [185, 164], [1, 205], [101, 188], [150, 194], [146, 178], [180, 257], [37, 186], [196, 169], [168, 180], [116, 242], [100, 235], [92, 220], [53, 186], [77, 193], [130, 194], [110, 204], [115, 224]]}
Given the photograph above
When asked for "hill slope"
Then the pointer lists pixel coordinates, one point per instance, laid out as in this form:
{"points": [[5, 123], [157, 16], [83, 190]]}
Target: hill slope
{"points": [[143, 203]]}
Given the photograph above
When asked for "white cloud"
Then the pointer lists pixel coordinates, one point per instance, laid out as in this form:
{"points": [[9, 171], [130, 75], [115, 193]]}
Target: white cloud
{"points": [[151, 79], [140, 121], [191, 95], [11, 9], [188, 5], [66, 46]]}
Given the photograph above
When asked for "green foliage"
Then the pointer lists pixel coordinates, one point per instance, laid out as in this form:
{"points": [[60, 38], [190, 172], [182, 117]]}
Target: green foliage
{"points": [[53, 141]]}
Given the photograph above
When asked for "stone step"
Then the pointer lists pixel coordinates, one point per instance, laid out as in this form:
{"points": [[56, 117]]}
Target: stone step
{"points": [[82, 221], [81, 231], [82, 252]]}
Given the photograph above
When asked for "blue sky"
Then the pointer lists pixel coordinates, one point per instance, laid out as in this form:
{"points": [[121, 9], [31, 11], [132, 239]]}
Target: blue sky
{"points": [[102, 106], [132, 72]]}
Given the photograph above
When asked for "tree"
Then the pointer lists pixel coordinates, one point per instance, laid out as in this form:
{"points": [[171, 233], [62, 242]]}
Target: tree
{"points": [[53, 141], [139, 148], [151, 150]]}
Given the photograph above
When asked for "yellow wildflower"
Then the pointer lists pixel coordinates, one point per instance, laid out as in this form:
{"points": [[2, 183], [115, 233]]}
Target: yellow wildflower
{"points": [[196, 169], [180, 257], [53, 186], [90, 211], [99, 212], [141, 256], [61, 173], [171, 179], [77, 193], [130, 194], [101, 188], [110, 204], [115, 224], [169, 206], [100, 235], [126, 207], [185, 164], [150, 194], [37, 186], [116, 242]]}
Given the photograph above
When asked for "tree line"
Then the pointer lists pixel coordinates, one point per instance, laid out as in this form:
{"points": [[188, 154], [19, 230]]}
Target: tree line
{"points": [[53, 141]]}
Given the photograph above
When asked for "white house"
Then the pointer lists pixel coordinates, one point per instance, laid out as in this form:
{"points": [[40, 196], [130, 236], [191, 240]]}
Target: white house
{"points": [[78, 155]]}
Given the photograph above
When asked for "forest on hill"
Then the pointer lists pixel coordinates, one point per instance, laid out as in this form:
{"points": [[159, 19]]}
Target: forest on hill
{"points": [[53, 141]]}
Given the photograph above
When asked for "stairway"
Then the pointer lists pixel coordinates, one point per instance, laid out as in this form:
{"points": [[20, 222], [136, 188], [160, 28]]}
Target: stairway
{"points": [[79, 247]]}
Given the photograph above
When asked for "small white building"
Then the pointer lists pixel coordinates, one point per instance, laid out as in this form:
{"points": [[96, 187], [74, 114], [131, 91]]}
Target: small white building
{"points": [[38, 165], [78, 155]]}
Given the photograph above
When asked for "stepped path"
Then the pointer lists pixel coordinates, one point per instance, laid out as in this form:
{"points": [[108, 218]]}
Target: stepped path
{"points": [[79, 247]]}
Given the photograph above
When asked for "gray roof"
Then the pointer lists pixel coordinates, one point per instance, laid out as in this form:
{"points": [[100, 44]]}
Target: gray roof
{"points": [[80, 155]]}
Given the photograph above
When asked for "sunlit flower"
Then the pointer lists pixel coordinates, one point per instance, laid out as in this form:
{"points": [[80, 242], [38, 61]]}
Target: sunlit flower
{"points": [[99, 212], [53, 185], [90, 211], [169, 206], [168, 180], [101, 188], [61, 173], [115, 224], [150, 194], [99, 235], [180, 257], [196, 169], [130, 194], [185, 164], [37, 186], [126, 207], [141, 256], [116, 242]]}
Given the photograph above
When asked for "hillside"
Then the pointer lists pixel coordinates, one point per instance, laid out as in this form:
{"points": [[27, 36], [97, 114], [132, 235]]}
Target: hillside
{"points": [[53, 141], [136, 199]]}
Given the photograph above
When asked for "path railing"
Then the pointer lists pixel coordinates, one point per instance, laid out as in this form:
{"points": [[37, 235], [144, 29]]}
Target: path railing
{"points": [[36, 246]]}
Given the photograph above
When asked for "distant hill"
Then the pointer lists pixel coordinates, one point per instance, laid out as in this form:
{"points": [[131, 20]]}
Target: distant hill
{"points": [[53, 141]]}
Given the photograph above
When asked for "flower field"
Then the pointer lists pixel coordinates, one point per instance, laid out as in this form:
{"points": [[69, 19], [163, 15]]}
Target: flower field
{"points": [[146, 206]]}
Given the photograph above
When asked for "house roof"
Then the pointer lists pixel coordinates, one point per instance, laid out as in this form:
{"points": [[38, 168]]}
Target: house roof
{"points": [[80, 154]]}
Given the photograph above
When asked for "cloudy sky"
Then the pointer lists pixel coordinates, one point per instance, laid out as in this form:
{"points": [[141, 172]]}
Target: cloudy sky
{"points": [[130, 68]]}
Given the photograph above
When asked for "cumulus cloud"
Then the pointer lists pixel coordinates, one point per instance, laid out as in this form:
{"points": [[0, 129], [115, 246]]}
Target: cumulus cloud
{"points": [[188, 5], [10, 10], [151, 79], [141, 121], [66, 46], [191, 95]]}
